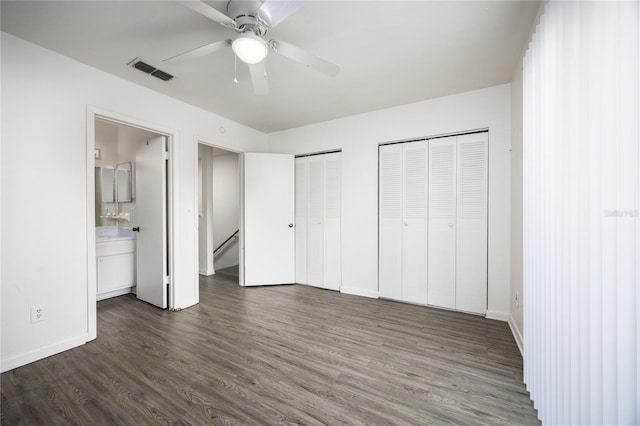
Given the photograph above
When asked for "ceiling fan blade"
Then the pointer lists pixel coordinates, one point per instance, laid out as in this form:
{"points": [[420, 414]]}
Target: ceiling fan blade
{"points": [[208, 11], [199, 51], [305, 58], [274, 12], [259, 78]]}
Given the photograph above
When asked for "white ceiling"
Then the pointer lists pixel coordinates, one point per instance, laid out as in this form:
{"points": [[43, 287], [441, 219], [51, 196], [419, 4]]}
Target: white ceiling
{"points": [[390, 52]]}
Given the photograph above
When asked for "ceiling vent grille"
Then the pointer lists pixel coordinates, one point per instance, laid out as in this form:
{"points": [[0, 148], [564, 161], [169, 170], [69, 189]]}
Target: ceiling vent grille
{"points": [[149, 69]]}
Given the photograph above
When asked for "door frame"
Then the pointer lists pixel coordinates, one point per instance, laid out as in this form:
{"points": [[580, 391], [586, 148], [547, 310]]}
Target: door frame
{"points": [[197, 140], [92, 114]]}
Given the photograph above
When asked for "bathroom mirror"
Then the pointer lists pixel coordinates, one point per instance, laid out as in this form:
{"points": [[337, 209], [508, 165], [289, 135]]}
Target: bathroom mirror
{"points": [[105, 190], [104, 182], [124, 173]]}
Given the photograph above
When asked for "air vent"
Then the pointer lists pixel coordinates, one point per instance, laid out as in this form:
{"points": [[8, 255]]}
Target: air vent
{"points": [[149, 69], [162, 75]]}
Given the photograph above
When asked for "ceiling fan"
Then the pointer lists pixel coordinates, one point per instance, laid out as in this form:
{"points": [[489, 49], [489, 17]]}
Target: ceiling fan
{"points": [[251, 20]]}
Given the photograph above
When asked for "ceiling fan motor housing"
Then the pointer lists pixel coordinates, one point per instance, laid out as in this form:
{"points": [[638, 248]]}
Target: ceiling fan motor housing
{"points": [[245, 13]]}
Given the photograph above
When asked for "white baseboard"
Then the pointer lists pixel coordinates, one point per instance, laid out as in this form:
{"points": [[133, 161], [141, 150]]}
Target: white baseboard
{"points": [[113, 293], [39, 353], [359, 292], [207, 272], [517, 334], [498, 315]]}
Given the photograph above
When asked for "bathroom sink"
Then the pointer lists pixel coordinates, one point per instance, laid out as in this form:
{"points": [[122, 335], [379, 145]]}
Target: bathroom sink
{"points": [[110, 233]]}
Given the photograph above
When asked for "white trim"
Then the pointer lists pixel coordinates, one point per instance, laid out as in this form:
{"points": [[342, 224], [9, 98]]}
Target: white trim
{"points": [[114, 293], [517, 335], [92, 274], [206, 272], [498, 315], [42, 352], [359, 292]]}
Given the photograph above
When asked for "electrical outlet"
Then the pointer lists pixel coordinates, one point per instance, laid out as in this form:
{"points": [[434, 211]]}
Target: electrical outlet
{"points": [[38, 313], [517, 300]]}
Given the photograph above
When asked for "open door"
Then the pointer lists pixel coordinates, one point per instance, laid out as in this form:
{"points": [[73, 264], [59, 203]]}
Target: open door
{"points": [[267, 212], [151, 218]]}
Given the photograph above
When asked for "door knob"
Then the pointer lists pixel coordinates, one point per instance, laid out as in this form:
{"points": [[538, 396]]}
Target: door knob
{"points": [[406, 224], [136, 229], [451, 225], [291, 225]]}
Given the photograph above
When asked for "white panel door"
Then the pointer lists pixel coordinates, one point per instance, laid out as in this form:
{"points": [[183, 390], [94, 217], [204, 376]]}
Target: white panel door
{"points": [[442, 223], [315, 217], [414, 223], [268, 212], [332, 271], [301, 220], [151, 218], [471, 234], [390, 222]]}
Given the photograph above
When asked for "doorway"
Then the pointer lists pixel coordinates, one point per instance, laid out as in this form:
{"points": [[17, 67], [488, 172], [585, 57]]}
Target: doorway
{"points": [[218, 211], [129, 222]]}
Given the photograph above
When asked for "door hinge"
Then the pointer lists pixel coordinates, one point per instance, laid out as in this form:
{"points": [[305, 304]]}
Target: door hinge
{"points": [[165, 155], [166, 280]]}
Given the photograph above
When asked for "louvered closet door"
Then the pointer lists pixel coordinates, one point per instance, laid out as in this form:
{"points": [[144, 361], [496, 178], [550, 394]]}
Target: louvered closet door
{"points": [[315, 216], [442, 223], [390, 222], [301, 220], [332, 271], [414, 222], [471, 235]]}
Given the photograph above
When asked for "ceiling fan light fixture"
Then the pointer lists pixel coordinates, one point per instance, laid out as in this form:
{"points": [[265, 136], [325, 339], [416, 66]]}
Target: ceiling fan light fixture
{"points": [[250, 48]]}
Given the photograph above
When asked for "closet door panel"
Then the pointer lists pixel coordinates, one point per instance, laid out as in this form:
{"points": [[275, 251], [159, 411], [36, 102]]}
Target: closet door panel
{"points": [[471, 261], [442, 223], [332, 272], [301, 219], [315, 232], [390, 222], [414, 226]]}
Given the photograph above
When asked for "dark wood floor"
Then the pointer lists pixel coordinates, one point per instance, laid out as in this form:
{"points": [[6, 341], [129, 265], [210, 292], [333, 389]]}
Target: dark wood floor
{"points": [[273, 355]]}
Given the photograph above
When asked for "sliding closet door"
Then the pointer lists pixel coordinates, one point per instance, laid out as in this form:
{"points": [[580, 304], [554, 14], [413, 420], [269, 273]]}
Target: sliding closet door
{"points": [[301, 220], [332, 268], [471, 235], [414, 222], [390, 222], [315, 216], [442, 222]]}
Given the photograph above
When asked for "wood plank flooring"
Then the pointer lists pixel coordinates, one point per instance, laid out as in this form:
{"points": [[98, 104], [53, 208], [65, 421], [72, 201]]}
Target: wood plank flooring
{"points": [[276, 355]]}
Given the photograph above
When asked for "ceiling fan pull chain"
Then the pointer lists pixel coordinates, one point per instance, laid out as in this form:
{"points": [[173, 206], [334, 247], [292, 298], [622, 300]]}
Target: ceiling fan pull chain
{"points": [[235, 69]]}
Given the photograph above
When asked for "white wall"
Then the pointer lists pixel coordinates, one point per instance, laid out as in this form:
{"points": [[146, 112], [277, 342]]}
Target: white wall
{"points": [[359, 136], [226, 208], [107, 142], [516, 288], [205, 210], [44, 163]]}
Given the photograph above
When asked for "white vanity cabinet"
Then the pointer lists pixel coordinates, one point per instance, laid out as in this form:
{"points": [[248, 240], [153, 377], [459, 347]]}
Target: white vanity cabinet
{"points": [[116, 262]]}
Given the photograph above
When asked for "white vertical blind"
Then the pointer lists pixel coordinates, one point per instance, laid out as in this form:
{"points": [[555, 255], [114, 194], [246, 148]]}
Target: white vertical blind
{"points": [[581, 213]]}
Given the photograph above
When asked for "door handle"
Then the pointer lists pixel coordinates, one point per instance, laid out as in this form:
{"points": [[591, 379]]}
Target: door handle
{"points": [[136, 229]]}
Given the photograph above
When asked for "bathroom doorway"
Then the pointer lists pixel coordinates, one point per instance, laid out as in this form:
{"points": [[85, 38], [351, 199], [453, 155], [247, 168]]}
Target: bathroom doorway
{"points": [[130, 224], [218, 211]]}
